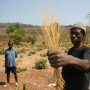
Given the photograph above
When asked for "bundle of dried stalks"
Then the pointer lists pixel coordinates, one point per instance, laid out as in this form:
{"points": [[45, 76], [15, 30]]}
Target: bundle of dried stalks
{"points": [[52, 32]]}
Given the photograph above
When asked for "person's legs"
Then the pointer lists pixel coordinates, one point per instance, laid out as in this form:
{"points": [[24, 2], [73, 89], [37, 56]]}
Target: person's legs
{"points": [[7, 71], [8, 78], [15, 75]]}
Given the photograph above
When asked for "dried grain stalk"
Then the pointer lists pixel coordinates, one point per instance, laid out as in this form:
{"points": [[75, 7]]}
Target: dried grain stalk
{"points": [[52, 32]]}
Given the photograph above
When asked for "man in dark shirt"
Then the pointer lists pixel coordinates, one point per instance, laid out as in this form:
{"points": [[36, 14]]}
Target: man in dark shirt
{"points": [[76, 64]]}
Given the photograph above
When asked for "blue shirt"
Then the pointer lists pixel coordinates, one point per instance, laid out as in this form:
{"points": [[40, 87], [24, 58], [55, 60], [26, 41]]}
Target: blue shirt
{"points": [[10, 57]]}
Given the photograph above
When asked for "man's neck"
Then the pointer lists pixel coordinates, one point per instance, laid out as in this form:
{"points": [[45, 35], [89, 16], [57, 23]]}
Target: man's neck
{"points": [[10, 49], [78, 45]]}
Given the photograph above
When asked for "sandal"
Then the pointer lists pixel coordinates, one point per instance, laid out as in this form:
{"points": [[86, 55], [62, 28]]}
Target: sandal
{"points": [[6, 84], [16, 84]]}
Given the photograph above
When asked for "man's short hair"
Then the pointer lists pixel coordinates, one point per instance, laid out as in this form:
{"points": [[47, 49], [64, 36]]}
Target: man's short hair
{"points": [[10, 41]]}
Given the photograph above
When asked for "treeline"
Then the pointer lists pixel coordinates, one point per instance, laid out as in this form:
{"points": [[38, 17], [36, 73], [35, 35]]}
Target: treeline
{"points": [[6, 25], [31, 33]]}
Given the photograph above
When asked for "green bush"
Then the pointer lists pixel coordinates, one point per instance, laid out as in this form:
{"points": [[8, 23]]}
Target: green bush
{"points": [[21, 56], [2, 51], [21, 69], [41, 47], [25, 87], [21, 51], [31, 52], [18, 36], [12, 28], [17, 62], [17, 88], [43, 55], [41, 64], [32, 39]]}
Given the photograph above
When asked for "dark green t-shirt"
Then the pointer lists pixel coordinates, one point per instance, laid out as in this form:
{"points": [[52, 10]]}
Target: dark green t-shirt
{"points": [[75, 79]]}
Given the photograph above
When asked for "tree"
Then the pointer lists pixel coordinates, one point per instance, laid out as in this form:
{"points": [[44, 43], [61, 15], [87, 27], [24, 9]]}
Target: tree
{"points": [[18, 36], [16, 33], [32, 39], [12, 28]]}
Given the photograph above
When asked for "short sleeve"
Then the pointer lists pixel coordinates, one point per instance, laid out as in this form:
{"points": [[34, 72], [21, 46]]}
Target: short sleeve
{"points": [[16, 54], [87, 54]]}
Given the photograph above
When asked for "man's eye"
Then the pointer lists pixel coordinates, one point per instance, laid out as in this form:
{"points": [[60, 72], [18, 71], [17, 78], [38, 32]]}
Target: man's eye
{"points": [[76, 33]]}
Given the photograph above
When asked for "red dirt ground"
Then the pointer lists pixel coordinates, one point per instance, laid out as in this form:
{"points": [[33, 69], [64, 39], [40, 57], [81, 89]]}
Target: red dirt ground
{"points": [[34, 79]]}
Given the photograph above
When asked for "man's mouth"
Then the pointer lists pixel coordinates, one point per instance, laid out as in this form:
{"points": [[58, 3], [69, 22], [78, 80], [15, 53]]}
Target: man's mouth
{"points": [[74, 39]]}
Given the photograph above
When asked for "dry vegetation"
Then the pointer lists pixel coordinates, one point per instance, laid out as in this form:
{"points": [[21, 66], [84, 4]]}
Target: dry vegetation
{"points": [[33, 78], [27, 56]]}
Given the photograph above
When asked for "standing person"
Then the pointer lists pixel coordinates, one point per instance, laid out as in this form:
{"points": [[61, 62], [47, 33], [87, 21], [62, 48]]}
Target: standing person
{"points": [[10, 64], [76, 64]]}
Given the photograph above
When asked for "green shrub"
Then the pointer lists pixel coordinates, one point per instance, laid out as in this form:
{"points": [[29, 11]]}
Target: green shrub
{"points": [[43, 55], [18, 51], [21, 56], [21, 51], [32, 39], [2, 51], [17, 88], [17, 62], [21, 69], [12, 28], [41, 47], [25, 87], [31, 52], [41, 64]]}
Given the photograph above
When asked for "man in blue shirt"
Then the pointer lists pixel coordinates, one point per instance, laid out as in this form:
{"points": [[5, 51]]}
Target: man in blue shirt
{"points": [[10, 64]]}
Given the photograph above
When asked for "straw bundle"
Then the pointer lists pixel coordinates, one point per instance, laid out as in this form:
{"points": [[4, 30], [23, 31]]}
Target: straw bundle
{"points": [[52, 32]]}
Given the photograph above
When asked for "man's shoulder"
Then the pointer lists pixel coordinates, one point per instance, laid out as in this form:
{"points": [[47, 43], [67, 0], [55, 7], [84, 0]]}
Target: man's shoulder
{"points": [[14, 49], [86, 48], [7, 49], [82, 49]]}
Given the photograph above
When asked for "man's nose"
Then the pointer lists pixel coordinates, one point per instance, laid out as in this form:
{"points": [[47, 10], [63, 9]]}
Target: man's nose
{"points": [[73, 35]]}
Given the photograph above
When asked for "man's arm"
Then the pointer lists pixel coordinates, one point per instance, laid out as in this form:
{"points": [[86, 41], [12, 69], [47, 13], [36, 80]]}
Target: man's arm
{"points": [[5, 57], [16, 54], [58, 59]]}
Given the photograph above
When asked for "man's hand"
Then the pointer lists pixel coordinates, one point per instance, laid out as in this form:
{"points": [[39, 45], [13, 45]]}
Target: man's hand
{"points": [[58, 58]]}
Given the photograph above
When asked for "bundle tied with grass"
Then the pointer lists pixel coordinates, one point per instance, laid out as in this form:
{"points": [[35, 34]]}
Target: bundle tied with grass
{"points": [[52, 32]]}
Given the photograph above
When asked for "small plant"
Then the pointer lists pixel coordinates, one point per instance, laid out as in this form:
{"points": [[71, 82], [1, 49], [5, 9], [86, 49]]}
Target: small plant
{"points": [[21, 56], [31, 52], [32, 39], [21, 51], [2, 51], [18, 51], [21, 69], [43, 55], [41, 47], [66, 51], [32, 46], [17, 62], [17, 88], [41, 64], [25, 87]]}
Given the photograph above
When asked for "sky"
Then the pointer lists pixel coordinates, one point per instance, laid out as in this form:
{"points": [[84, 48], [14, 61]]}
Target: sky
{"points": [[67, 12]]}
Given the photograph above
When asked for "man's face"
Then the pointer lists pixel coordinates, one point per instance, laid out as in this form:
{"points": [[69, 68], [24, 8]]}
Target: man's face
{"points": [[10, 44], [76, 36]]}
